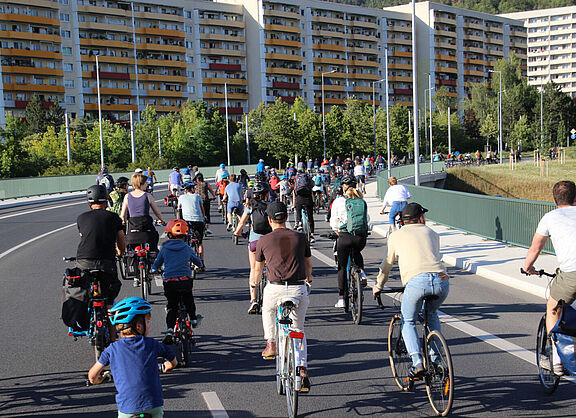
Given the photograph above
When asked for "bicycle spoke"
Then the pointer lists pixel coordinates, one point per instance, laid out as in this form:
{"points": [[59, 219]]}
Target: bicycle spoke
{"points": [[544, 359], [400, 361], [439, 374], [291, 370]]}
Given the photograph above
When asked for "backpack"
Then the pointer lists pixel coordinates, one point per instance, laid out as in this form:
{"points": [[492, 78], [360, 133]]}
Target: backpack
{"points": [[302, 184], [357, 220], [318, 181], [260, 223], [75, 299]]}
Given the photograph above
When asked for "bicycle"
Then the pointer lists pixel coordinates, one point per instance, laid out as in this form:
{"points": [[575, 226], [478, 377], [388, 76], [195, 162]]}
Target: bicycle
{"points": [[183, 334], [306, 226], [141, 253], [318, 202], [438, 373], [98, 332], [235, 220], [193, 241], [289, 347], [260, 291]]}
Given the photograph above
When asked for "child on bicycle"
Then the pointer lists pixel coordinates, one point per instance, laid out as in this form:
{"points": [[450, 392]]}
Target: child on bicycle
{"points": [[176, 256], [133, 361]]}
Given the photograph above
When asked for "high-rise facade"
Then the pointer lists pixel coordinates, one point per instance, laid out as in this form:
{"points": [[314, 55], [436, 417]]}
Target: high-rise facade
{"points": [[551, 51]]}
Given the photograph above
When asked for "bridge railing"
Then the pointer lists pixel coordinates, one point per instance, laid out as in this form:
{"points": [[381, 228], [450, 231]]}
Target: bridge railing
{"points": [[36, 186], [512, 221]]}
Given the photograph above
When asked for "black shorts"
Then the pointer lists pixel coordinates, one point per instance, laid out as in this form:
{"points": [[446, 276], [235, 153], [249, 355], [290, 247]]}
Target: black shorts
{"points": [[197, 228]]}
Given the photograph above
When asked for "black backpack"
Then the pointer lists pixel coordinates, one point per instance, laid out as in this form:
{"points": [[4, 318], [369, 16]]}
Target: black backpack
{"points": [[260, 223], [303, 184]]}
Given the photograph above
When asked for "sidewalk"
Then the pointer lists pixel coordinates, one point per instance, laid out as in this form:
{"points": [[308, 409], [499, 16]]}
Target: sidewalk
{"points": [[489, 259]]}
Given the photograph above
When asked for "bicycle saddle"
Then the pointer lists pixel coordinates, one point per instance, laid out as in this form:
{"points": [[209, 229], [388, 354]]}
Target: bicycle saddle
{"points": [[288, 302]]}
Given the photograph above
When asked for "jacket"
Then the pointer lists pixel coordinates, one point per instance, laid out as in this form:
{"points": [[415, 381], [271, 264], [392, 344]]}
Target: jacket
{"points": [[175, 256]]}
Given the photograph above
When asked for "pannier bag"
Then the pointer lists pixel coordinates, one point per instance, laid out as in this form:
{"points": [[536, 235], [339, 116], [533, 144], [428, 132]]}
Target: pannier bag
{"points": [[564, 337], [75, 299]]}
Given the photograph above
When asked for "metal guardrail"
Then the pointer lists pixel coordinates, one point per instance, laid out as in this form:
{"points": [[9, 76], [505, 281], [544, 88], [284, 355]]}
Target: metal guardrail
{"points": [[37, 186], [512, 221]]}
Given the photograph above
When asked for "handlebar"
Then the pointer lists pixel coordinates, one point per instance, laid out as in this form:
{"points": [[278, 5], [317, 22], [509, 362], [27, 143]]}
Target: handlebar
{"points": [[539, 273], [69, 259], [378, 297]]}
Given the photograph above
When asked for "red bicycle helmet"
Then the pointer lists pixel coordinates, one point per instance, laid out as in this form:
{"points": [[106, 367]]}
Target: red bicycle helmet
{"points": [[177, 227]]}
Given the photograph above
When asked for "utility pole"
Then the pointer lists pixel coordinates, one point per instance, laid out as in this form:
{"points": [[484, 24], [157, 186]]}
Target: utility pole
{"points": [[132, 140], [68, 151]]}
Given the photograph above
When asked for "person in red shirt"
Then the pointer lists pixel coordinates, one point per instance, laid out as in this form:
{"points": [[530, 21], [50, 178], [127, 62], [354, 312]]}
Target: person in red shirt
{"points": [[274, 186]]}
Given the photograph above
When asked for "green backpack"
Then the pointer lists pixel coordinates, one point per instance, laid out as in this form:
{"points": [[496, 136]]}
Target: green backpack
{"points": [[357, 214]]}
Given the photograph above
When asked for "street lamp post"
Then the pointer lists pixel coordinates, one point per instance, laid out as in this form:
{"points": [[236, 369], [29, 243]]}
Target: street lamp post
{"points": [[374, 113], [99, 114], [415, 97], [429, 92], [323, 120], [226, 112], [499, 114]]}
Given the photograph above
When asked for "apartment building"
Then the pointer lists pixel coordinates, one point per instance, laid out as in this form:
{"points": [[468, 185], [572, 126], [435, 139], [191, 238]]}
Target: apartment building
{"points": [[459, 47], [551, 51]]}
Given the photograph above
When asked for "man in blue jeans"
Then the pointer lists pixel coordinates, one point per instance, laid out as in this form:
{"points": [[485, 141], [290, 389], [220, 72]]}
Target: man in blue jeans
{"points": [[417, 249]]}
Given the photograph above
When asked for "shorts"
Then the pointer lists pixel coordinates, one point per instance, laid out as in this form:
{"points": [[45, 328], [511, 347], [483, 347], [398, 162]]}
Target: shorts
{"points": [[238, 205], [563, 286], [198, 229], [175, 186], [252, 246]]}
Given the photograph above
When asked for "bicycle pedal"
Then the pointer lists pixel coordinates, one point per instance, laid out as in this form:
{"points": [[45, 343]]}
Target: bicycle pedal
{"points": [[268, 357]]}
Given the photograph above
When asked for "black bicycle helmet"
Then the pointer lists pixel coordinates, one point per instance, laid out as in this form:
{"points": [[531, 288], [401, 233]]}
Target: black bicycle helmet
{"points": [[260, 177], [348, 181], [97, 194], [260, 188], [122, 181]]}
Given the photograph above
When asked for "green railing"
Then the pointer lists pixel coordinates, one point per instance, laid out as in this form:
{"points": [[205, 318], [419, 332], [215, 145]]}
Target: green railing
{"points": [[512, 221], [35, 186]]}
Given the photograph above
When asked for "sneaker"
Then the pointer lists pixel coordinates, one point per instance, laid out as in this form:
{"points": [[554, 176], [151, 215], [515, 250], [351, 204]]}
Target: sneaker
{"points": [[312, 240], [208, 231], [340, 304], [557, 369], [270, 351], [253, 308], [229, 227], [194, 323], [305, 386], [136, 283], [169, 338], [363, 279], [416, 372]]}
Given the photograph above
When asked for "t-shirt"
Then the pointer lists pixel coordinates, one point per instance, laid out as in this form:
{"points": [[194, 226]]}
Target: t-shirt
{"points": [[560, 226], [284, 252], [396, 193], [359, 170], [134, 365], [234, 192], [150, 175], [191, 207], [175, 178], [99, 229]]}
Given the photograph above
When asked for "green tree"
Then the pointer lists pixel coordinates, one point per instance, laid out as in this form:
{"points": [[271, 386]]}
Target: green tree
{"points": [[489, 128], [522, 133], [13, 157], [309, 140], [35, 116], [358, 127], [277, 135]]}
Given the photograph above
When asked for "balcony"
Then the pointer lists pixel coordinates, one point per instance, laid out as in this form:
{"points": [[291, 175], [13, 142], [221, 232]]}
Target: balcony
{"points": [[285, 85], [23, 103], [232, 110], [287, 99], [111, 75], [226, 67], [402, 91], [447, 82]]}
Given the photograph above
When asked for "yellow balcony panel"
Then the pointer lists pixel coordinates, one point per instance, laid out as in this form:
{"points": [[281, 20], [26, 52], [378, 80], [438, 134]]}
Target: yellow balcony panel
{"points": [[161, 32], [332, 75], [221, 81], [447, 33], [446, 57], [360, 37], [451, 94], [282, 28], [226, 52], [106, 27], [111, 108], [475, 49], [495, 52], [112, 92], [399, 78], [106, 43], [28, 53], [161, 63], [521, 34], [34, 87], [281, 13], [331, 87], [361, 24], [361, 63], [369, 51], [164, 93], [283, 42], [398, 28], [330, 101], [157, 77], [330, 61], [105, 11], [107, 59], [360, 76], [445, 45], [222, 37], [323, 34], [494, 30], [29, 19], [158, 16], [363, 89], [447, 70], [211, 95], [159, 47], [495, 41], [400, 66], [29, 36], [332, 20], [439, 19], [283, 57], [474, 61], [278, 70], [31, 70], [222, 22], [402, 54], [43, 3], [470, 25], [399, 41], [163, 108], [475, 38], [399, 102]]}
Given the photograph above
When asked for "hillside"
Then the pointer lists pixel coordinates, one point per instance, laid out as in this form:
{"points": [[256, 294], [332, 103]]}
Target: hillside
{"points": [[488, 6]]}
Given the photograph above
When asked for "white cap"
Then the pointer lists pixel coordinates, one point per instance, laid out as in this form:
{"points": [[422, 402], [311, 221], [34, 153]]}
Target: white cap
{"points": [[138, 170]]}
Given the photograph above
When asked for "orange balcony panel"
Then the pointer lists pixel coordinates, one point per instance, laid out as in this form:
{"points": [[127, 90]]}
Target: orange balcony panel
{"points": [[34, 87], [400, 78], [283, 57], [283, 42], [108, 59], [279, 70], [446, 57], [359, 63], [164, 108], [162, 32], [161, 63], [330, 87], [29, 36], [363, 89], [106, 43], [111, 108], [27, 53], [360, 76], [281, 28], [334, 61], [400, 66], [330, 101], [221, 81], [402, 54], [164, 93], [29, 19], [159, 47], [447, 70], [329, 47], [159, 77], [113, 92], [31, 70]]}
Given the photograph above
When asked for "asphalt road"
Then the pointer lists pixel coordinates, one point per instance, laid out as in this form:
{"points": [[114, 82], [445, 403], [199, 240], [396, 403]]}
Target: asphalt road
{"points": [[490, 329]]}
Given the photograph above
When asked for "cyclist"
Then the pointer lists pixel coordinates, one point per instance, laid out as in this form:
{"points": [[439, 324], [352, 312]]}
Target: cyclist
{"points": [[290, 170], [302, 199], [175, 180], [116, 197], [133, 361], [151, 179], [233, 198], [186, 175], [191, 209], [396, 197], [221, 172], [417, 249], [360, 175], [105, 179], [203, 188], [284, 188], [289, 267], [221, 187], [175, 257], [560, 226], [349, 238], [319, 185], [260, 167], [259, 226], [244, 178], [101, 239], [274, 185]]}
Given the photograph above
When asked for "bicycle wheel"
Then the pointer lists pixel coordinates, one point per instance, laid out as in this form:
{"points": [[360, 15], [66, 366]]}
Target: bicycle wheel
{"points": [[356, 295], [439, 374], [260, 296], [305, 226], [143, 284], [186, 348], [100, 336], [400, 361], [121, 267], [290, 369], [280, 370], [544, 352]]}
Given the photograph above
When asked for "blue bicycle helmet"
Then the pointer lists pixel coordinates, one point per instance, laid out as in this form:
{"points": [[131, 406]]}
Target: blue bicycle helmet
{"points": [[222, 165], [224, 175], [125, 311], [186, 171]]}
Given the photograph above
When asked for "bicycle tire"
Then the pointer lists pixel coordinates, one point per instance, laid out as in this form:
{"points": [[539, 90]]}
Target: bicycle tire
{"points": [[439, 374], [260, 290], [143, 286], [121, 267], [544, 350], [186, 348], [400, 361], [356, 295], [305, 226], [292, 390], [100, 337], [280, 380]]}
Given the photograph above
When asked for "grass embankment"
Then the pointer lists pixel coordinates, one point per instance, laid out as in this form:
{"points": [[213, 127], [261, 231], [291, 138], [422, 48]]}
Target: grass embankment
{"points": [[524, 182]]}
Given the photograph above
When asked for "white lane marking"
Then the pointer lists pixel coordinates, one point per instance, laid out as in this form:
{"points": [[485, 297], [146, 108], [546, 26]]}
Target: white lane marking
{"points": [[324, 258], [214, 405], [158, 281], [5, 253], [40, 210]]}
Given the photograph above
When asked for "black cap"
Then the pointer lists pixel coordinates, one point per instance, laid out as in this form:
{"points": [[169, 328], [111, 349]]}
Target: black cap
{"points": [[277, 211], [413, 211]]}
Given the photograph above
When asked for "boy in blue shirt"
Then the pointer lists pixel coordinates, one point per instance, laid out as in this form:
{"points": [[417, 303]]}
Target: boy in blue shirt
{"points": [[133, 361], [176, 255]]}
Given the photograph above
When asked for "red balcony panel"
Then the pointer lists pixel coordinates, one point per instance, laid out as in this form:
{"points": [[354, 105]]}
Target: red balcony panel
{"points": [[112, 76], [232, 110], [226, 67], [288, 99], [447, 82], [402, 91], [24, 103], [284, 85]]}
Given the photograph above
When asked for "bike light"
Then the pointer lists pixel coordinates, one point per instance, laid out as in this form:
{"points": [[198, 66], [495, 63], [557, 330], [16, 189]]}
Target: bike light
{"points": [[98, 324], [70, 334], [98, 304], [298, 335]]}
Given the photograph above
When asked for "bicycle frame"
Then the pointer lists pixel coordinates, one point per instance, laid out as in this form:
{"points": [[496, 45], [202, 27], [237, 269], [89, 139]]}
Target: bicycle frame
{"points": [[183, 333], [144, 269]]}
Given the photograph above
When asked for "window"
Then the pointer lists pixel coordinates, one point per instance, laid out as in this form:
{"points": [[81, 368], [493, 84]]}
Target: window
{"points": [[64, 17], [70, 100], [63, 1], [69, 83], [68, 67], [85, 84], [66, 34], [67, 50]]}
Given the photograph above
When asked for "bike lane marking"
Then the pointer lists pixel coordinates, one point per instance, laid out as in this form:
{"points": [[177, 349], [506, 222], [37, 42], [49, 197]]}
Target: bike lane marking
{"points": [[214, 405], [40, 210], [11, 250]]}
